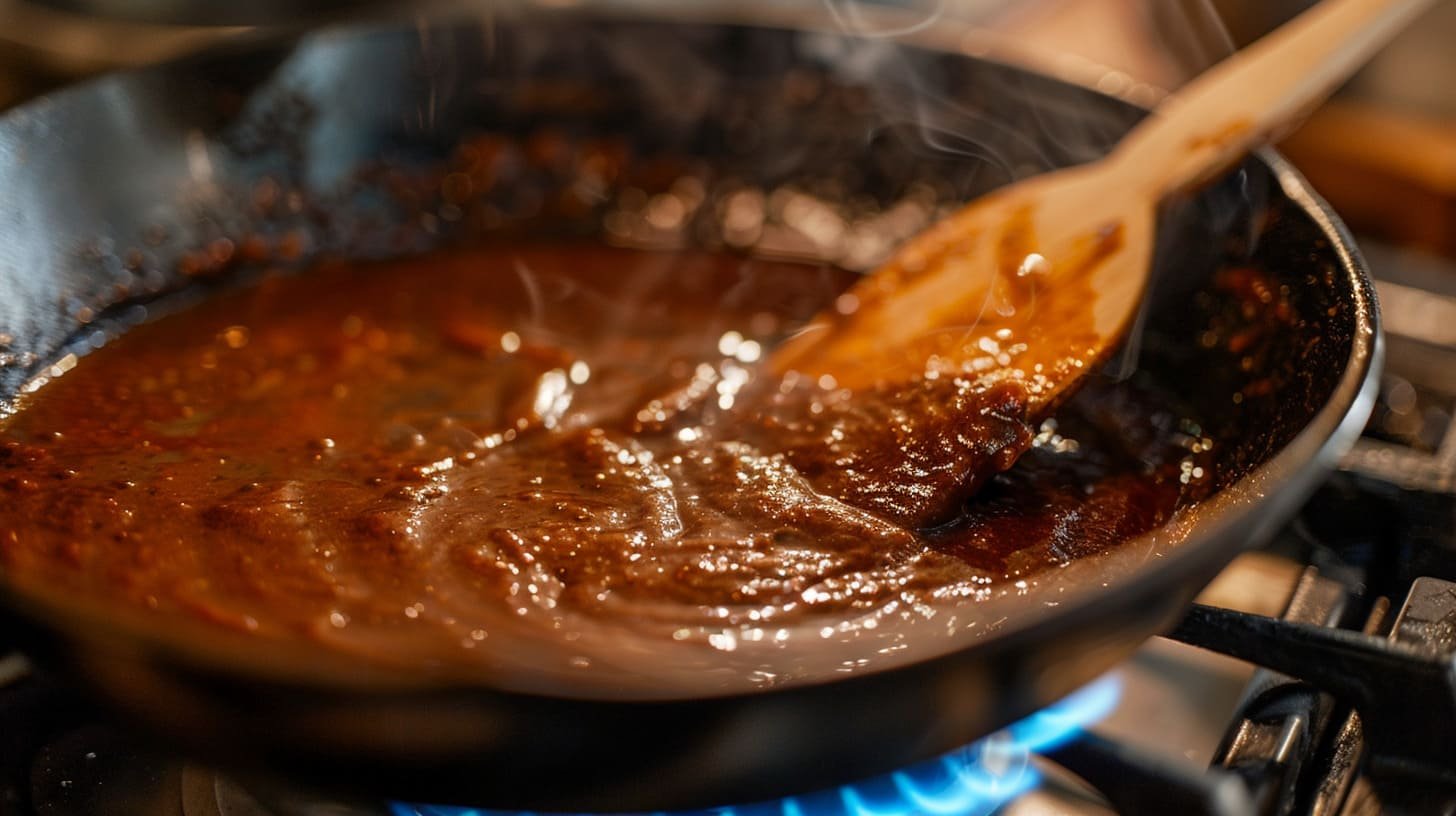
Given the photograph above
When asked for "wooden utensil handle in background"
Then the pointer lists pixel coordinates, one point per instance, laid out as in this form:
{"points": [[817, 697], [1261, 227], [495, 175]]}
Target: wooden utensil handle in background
{"points": [[1389, 174], [1232, 107]]}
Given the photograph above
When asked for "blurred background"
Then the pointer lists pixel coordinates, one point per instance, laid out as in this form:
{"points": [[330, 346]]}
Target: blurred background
{"points": [[1391, 135]]}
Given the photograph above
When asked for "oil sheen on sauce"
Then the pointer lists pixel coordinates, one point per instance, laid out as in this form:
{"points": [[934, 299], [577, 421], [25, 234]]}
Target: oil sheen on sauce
{"points": [[555, 465]]}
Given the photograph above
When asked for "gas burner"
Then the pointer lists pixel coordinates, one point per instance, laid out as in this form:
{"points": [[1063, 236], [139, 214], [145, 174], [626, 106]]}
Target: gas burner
{"points": [[69, 765], [973, 781]]}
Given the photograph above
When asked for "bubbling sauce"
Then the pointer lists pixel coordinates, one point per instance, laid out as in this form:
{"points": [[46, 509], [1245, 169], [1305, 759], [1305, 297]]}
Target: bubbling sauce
{"points": [[550, 463]]}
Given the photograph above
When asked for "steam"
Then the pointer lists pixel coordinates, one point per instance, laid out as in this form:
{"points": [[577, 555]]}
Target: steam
{"points": [[849, 16], [1184, 38], [1192, 33], [535, 299], [921, 115]]}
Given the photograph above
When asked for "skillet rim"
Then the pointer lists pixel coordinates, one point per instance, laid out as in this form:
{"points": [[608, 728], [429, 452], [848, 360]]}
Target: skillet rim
{"points": [[1298, 465], [1351, 398]]}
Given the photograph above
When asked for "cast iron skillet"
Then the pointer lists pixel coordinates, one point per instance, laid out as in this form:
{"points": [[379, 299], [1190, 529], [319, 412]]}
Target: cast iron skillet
{"points": [[332, 146]]}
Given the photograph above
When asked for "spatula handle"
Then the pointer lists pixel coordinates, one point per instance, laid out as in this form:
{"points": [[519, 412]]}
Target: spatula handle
{"points": [[1241, 101]]}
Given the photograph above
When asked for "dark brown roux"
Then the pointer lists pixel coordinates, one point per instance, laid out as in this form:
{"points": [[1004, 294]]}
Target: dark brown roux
{"points": [[426, 459]]}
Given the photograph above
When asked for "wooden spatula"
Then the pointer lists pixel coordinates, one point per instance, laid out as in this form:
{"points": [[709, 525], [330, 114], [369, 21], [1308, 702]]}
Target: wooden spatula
{"points": [[1036, 282]]}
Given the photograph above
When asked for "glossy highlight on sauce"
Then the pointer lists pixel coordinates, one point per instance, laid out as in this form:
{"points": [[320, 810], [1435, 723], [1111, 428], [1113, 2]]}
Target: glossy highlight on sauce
{"points": [[557, 466]]}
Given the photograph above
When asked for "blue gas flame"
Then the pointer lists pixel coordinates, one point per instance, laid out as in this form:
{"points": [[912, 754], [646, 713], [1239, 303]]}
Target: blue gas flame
{"points": [[973, 781]]}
